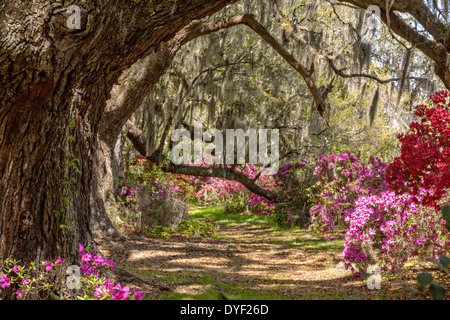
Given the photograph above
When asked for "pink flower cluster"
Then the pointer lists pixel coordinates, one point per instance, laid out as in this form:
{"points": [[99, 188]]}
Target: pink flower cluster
{"points": [[234, 196], [342, 179], [4, 281], [398, 226], [117, 292], [90, 262]]}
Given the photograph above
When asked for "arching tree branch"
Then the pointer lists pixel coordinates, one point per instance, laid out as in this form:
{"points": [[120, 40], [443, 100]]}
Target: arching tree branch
{"points": [[138, 81]]}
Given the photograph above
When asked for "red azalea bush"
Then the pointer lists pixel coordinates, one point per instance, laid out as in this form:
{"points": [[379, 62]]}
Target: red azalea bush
{"points": [[425, 159]]}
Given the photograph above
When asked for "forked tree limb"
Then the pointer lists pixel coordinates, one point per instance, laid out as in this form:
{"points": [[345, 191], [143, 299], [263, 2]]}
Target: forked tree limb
{"points": [[139, 142]]}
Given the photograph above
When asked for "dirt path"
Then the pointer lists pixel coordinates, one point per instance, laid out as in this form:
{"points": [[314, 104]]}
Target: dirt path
{"points": [[249, 262]]}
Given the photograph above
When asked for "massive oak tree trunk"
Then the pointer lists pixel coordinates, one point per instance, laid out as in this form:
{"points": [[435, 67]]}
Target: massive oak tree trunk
{"points": [[54, 85]]}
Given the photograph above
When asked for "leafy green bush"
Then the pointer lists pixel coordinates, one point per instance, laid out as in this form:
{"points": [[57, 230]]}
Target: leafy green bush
{"points": [[424, 279]]}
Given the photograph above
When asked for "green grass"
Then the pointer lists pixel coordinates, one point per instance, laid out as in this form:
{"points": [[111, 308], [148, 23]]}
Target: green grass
{"points": [[319, 244], [212, 294], [237, 292], [222, 217]]}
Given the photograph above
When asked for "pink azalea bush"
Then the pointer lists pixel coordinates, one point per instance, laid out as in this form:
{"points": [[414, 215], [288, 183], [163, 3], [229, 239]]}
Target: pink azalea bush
{"points": [[234, 196], [28, 280], [355, 198], [397, 226], [341, 180], [41, 282], [98, 286]]}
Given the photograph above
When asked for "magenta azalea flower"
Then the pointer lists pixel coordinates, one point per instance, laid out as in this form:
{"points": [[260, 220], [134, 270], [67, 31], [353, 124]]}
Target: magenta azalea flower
{"points": [[48, 265], [138, 295], [19, 293], [122, 294], [4, 281]]}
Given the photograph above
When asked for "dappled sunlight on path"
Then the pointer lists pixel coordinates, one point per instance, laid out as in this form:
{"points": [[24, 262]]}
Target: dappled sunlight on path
{"points": [[247, 261]]}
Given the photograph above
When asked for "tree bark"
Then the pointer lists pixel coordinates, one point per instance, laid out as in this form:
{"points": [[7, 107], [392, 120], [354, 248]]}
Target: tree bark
{"points": [[50, 74]]}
